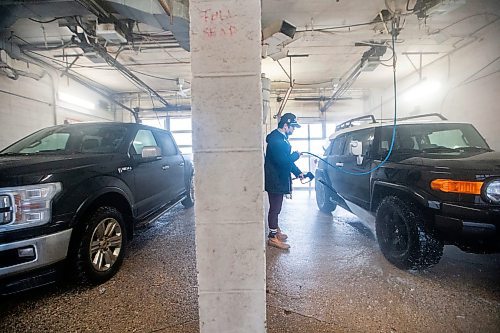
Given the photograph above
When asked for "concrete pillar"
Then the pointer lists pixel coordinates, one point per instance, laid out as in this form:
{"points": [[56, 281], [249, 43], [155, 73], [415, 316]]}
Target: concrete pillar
{"points": [[228, 157]]}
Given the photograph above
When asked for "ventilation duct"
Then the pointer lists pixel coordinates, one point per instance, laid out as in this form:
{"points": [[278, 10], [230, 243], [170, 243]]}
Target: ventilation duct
{"points": [[275, 37], [10, 11], [153, 13]]}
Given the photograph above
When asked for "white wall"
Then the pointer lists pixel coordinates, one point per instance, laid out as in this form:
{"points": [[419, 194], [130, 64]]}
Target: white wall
{"points": [[469, 91], [20, 116], [27, 105], [75, 111]]}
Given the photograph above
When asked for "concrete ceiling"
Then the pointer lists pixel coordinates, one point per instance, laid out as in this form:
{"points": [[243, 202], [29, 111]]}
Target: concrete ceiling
{"points": [[327, 32]]}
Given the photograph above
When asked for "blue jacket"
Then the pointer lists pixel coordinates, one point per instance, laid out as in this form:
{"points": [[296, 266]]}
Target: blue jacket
{"points": [[279, 164]]}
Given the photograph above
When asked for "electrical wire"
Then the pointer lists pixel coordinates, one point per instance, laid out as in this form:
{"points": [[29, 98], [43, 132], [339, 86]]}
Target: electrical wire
{"points": [[54, 19], [153, 76], [463, 19], [154, 109], [394, 123], [326, 29]]}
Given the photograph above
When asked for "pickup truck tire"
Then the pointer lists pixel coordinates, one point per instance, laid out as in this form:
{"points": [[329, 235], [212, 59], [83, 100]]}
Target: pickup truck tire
{"points": [[402, 237], [101, 246], [189, 201], [322, 197]]}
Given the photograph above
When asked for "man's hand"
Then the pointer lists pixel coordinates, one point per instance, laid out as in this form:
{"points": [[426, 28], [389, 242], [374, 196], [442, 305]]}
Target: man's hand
{"points": [[301, 176], [295, 156]]}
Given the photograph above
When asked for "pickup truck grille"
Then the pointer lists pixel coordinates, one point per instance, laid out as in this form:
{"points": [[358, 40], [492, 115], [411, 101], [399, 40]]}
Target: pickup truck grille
{"points": [[6, 209]]}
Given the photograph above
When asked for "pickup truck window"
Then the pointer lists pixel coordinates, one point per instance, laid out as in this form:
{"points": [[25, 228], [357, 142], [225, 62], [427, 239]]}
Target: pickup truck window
{"points": [[166, 144], [142, 139], [86, 138], [52, 142]]}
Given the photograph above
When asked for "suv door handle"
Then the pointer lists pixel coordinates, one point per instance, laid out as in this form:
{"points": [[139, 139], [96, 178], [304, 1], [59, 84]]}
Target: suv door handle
{"points": [[339, 164], [165, 167], [181, 164]]}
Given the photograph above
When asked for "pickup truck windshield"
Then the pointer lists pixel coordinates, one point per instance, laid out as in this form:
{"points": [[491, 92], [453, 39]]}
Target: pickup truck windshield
{"points": [[86, 139], [438, 139]]}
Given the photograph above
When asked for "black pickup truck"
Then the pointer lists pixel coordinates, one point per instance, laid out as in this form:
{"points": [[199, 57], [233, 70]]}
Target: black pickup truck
{"points": [[436, 183], [71, 196]]}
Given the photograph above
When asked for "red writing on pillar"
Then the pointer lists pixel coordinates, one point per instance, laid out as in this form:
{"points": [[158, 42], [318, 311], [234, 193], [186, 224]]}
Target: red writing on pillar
{"points": [[220, 15], [218, 23]]}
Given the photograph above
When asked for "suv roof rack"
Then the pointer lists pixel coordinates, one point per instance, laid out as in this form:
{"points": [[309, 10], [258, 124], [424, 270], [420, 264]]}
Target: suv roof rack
{"points": [[439, 115], [349, 123]]}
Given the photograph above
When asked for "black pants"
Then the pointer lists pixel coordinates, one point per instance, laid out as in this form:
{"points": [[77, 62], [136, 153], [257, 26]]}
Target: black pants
{"points": [[275, 203]]}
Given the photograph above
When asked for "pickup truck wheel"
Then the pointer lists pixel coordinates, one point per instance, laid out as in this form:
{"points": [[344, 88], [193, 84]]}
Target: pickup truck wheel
{"points": [[101, 247], [402, 237], [189, 201], [322, 197]]}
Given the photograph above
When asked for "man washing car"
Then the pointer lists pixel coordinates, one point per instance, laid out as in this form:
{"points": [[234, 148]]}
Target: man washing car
{"points": [[278, 167]]}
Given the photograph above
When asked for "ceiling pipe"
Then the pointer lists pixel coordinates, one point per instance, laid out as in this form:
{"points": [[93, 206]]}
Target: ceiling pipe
{"points": [[353, 74], [15, 52], [166, 8], [125, 71]]}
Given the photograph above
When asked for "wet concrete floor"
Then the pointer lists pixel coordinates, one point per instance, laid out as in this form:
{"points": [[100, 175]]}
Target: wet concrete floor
{"points": [[333, 279]]}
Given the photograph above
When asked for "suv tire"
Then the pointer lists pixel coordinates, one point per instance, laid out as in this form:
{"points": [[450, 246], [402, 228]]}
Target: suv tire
{"points": [[402, 237], [101, 246], [189, 201], [323, 198]]}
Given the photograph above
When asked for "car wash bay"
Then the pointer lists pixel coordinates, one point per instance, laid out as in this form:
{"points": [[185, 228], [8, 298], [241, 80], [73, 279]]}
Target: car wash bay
{"points": [[218, 74], [334, 279]]}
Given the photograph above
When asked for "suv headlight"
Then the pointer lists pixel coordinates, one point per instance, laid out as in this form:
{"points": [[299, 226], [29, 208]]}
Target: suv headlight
{"points": [[26, 206], [492, 191]]}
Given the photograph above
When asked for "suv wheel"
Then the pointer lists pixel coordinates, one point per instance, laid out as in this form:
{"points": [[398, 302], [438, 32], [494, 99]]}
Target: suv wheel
{"points": [[402, 237], [101, 247], [323, 198], [189, 201]]}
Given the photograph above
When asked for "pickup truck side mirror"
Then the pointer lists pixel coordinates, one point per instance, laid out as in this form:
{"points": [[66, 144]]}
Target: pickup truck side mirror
{"points": [[357, 150], [150, 153]]}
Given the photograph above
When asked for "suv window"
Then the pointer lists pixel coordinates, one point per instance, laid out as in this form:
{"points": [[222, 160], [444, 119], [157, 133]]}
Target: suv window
{"points": [[338, 145], [142, 139], [167, 145], [365, 136], [446, 139]]}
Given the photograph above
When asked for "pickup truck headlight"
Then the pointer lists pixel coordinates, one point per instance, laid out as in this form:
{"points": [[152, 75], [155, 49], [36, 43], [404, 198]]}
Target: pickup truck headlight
{"points": [[26, 206], [492, 191]]}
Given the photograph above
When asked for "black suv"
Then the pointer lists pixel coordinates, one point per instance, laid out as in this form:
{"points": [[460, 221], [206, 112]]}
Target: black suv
{"points": [[440, 185], [73, 194]]}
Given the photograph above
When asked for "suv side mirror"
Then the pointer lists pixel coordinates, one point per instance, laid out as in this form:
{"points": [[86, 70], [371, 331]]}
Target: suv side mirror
{"points": [[151, 153], [357, 150]]}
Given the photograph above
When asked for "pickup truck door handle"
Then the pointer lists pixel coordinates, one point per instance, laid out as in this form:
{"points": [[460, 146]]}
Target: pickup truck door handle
{"points": [[165, 167], [339, 164]]}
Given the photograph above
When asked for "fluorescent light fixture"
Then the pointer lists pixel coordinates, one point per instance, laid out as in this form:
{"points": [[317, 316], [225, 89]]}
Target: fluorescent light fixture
{"points": [[76, 101], [422, 90]]}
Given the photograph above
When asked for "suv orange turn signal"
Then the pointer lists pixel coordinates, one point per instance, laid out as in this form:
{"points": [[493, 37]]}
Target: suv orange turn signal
{"points": [[456, 186]]}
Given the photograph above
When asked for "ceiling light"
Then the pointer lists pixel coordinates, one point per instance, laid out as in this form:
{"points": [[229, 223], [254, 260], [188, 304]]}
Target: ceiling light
{"points": [[76, 101]]}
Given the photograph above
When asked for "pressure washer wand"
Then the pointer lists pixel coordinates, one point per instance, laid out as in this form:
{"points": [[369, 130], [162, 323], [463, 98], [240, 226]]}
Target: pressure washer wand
{"points": [[307, 175]]}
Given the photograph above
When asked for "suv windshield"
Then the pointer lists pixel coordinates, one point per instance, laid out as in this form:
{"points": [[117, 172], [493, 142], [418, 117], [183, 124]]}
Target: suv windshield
{"points": [[85, 138], [442, 139]]}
